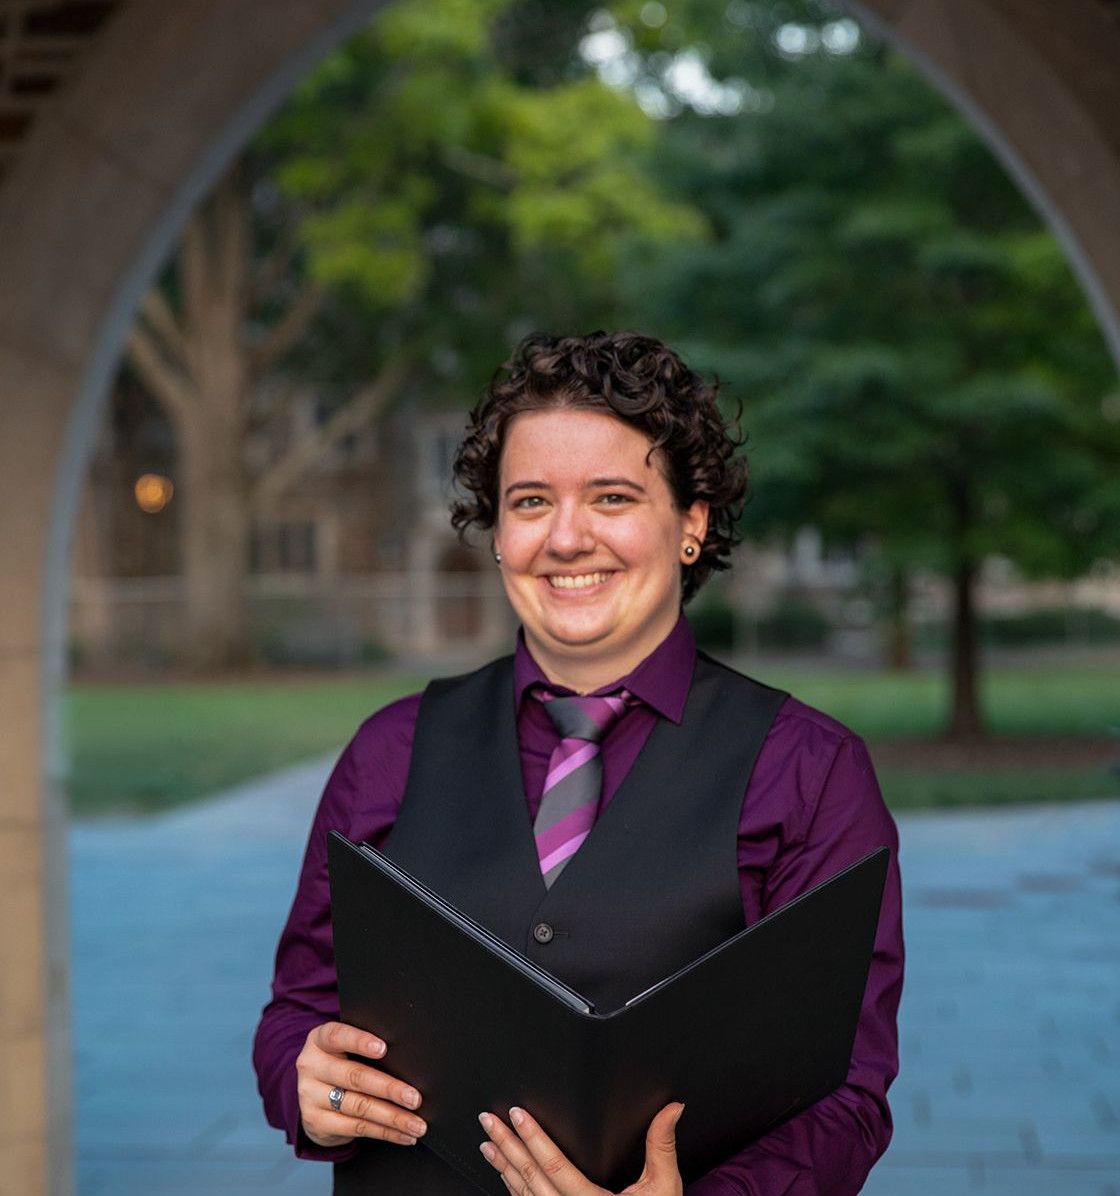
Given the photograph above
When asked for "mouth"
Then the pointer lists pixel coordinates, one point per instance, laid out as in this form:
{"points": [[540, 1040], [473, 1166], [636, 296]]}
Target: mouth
{"points": [[578, 581]]}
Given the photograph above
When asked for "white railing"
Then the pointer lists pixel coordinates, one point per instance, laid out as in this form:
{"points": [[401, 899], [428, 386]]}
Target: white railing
{"points": [[300, 619]]}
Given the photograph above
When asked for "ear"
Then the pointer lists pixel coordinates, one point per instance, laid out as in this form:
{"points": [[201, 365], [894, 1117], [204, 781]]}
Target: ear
{"points": [[694, 520]]}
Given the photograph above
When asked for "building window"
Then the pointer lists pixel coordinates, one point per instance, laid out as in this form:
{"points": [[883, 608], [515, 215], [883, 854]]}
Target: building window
{"points": [[439, 458], [290, 547]]}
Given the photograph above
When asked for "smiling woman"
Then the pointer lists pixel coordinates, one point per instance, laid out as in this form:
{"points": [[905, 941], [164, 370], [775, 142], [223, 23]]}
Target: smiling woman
{"points": [[589, 535], [611, 485]]}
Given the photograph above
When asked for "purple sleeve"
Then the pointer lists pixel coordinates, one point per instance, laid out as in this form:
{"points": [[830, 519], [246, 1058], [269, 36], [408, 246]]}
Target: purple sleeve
{"points": [[361, 799], [829, 1149]]}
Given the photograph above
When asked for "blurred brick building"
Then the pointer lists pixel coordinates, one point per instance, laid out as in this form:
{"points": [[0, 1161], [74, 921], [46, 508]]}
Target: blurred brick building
{"points": [[356, 563]]}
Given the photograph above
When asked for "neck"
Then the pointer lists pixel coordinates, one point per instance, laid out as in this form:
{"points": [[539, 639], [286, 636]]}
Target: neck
{"points": [[584, 669]]}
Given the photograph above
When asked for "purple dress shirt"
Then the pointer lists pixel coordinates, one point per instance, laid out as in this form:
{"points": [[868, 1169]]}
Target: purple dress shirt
{"points": [[812, 807]]}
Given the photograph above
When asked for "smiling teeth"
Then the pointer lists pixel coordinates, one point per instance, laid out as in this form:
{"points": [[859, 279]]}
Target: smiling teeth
{"points": [[576, 583]]}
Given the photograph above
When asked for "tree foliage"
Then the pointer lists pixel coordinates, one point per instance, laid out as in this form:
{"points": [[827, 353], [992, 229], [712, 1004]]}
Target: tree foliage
{"points": [[921, 369], [439, 186], [458, 184], [753, 180]]}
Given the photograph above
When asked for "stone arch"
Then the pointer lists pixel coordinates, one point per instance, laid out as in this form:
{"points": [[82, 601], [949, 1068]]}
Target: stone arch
{"points": [[1041, 84], [166, 95], [162, 100]]}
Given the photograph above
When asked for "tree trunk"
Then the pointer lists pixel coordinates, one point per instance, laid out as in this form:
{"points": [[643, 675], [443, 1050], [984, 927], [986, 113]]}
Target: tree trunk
{"points": [[202, 358], [898, 635], [966, 721], [215, 552], [213, 466]]}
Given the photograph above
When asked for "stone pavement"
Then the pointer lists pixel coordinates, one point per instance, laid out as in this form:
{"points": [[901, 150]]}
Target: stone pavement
{"points": [[1010, 1025]]}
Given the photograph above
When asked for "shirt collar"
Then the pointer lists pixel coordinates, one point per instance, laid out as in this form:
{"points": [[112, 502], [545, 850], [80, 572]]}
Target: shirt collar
{"points": [[661, 681]]}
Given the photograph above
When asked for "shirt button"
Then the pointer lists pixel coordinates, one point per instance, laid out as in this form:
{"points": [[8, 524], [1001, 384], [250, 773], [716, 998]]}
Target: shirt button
{"points": [[542, 932]]}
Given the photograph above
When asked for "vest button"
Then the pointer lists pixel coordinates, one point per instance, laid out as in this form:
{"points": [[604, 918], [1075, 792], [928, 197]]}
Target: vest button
{"points": [[542, 932]]}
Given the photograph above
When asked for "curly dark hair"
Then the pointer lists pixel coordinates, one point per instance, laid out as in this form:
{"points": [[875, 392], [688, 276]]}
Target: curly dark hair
{"points": [[636, 379]]}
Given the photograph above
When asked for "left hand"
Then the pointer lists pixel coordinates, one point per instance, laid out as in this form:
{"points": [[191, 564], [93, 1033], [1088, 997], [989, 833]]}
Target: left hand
{"points": [[531, 1164]]}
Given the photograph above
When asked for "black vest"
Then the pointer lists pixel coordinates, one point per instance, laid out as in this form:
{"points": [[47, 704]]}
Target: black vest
{"points": [[654, 886]]}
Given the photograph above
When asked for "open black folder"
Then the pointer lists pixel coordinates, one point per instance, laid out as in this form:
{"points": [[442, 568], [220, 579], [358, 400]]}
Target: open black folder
{"points": [[748, 1035]]}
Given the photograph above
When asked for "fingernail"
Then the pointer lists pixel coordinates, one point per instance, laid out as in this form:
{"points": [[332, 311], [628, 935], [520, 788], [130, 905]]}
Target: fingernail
{"points": [[488, 1152], [408, 1141], [376, 1048], [411, 1097], [416, 1126], [517, 1116], [486, 1121], [680, 1112]]}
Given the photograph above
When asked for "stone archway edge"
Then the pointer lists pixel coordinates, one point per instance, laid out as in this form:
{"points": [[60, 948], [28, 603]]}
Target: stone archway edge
{"points": [[1041, 83], [166, 95]]}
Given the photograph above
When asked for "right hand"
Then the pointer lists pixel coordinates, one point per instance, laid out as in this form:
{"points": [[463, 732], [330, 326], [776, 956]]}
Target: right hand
{"points": [[374, 1104]]}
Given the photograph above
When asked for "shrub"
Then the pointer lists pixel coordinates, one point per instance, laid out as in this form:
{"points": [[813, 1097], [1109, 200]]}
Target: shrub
{"points": [[713, 621], [1036, 628], [1051, 626], [794, 625]]}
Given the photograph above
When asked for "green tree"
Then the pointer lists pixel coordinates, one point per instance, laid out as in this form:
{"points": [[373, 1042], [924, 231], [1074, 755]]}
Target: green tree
{"points": [[441, 185], [458, 185], [920, 368]]}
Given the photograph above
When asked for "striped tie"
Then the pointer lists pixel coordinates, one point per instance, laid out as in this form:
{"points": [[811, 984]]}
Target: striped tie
{"points": [[570, 800]]}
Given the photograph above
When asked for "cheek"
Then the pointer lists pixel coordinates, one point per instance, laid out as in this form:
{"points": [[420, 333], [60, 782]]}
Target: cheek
{"points": [[652, 546], [518, 542]]}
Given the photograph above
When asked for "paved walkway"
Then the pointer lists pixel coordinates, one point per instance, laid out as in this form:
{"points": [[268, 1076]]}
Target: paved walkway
{"points": [[1010, 1026]]}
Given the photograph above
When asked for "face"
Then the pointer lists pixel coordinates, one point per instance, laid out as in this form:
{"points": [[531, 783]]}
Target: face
{"points": [[591, 543]]}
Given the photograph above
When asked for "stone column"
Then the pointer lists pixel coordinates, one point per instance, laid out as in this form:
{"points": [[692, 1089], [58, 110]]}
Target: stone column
{"points": [[165, 96], [34, 1072]]}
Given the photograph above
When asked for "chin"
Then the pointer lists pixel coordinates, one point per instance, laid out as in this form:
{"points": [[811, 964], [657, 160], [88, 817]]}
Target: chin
{"points": [[578, 637]]}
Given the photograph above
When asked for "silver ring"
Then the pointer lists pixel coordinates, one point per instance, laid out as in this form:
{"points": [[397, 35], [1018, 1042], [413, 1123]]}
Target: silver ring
{"points": [[335, 1098]]}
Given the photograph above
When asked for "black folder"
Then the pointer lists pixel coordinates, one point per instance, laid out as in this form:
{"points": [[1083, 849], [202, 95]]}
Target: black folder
{"points": [[748, 1035]]}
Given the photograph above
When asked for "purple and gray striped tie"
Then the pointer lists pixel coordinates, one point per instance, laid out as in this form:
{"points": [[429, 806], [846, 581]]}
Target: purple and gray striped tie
{"points": [[570, 801]]}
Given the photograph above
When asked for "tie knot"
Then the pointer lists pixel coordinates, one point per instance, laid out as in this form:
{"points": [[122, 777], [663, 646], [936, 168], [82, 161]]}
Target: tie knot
{"points": [[585, 716]]}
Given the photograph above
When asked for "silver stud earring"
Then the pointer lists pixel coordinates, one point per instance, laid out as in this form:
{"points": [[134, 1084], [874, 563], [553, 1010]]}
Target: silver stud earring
{"points": [[690, 551], [497, 558]]}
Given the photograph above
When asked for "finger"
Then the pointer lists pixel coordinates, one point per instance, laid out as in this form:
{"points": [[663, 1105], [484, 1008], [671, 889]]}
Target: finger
{"points": [[661, 1144], [565, 1176], [523, 1172], [337, 1038], [327, 1123], [515, 1186], [380, 1112], [356, 1077], [498, 1161], [492, 1153]]}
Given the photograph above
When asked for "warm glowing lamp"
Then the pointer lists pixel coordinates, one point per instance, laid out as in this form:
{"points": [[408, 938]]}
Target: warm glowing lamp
{"points": [[153, 492]]}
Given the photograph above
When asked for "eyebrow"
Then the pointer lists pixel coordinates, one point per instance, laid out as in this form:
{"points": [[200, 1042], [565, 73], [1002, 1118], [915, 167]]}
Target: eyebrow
{"points": [[614, 483], [594, 484], [525, 486]]}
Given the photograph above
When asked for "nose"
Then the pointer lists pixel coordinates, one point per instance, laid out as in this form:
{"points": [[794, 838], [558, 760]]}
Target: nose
{"points": [[569, 531]]}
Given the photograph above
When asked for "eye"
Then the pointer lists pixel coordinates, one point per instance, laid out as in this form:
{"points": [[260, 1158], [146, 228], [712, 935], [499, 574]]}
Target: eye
{"points": [[614, 499], [528, 503]]}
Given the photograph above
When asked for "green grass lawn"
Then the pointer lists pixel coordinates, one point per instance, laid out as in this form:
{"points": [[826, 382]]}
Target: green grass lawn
{"points": [[1039, 700], [1036, 700], [144, 747], [141, 747], [908, 790]]}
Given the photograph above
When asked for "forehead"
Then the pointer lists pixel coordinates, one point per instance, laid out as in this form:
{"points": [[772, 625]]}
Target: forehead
{"points": [[562, 444]]}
